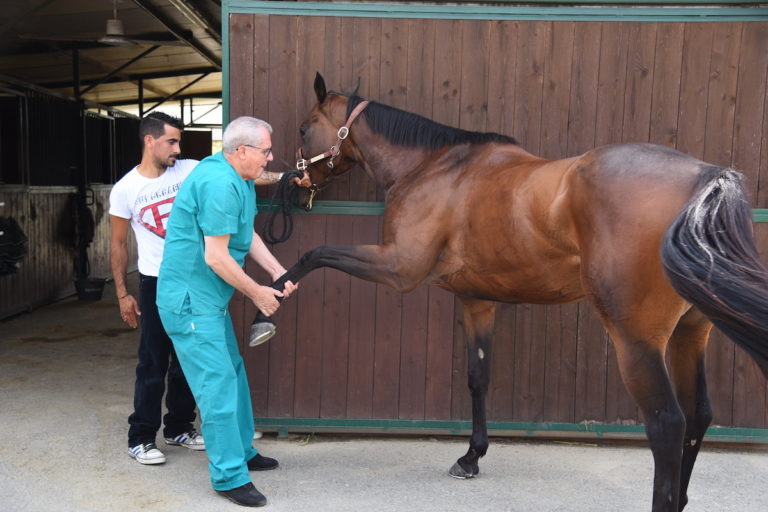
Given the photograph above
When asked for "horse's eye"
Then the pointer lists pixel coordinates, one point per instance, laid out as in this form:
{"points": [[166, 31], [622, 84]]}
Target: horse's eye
{"points": [[303, 129]]}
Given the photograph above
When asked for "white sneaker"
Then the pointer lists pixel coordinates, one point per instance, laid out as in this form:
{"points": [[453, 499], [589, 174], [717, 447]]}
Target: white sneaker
{"points": [[192, 440], [146, 454], [257, 435]]}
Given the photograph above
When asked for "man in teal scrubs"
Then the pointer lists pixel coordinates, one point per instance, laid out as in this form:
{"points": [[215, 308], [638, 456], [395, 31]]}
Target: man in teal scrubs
{"points": [[209, 232]]}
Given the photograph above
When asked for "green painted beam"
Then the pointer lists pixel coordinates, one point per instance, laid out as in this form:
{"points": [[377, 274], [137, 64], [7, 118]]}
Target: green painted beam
{"points": [[284, 426], [330, 207], [641, 13]]}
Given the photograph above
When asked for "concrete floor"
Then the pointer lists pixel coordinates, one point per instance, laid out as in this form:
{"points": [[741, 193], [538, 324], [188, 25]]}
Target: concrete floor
{"points": [[66, 380]]}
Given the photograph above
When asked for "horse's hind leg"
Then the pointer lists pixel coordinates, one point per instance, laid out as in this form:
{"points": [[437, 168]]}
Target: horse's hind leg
{"points": [[478, 327], [687, 350], [641, 339]]}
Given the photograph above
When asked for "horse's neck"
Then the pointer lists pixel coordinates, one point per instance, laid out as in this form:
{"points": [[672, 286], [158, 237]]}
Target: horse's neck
{"points": [[388, 163]]}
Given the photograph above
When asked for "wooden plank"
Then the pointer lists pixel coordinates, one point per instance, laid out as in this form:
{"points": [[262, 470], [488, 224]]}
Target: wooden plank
{"points": [[584, 86], [501, 389], [335, 306], [366, 51], [591, 356], [393, 87], [393, 80], [461, 402], [439, 355], [261, 66], [694, 86], [413, 353], [557, 90], [750, 387], [309, 349], [502, 60], [447, 81], [723, 74], [241, 64], [500, 95], [560, 377], [666, 84], [473, 89], [639, 85], [726, 42], [751, 109], [529, 82], [362, 332], [611, 83]]}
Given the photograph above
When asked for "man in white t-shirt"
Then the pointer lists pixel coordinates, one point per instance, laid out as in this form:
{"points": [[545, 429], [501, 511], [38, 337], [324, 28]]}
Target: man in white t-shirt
{"points": [[142, 199]]}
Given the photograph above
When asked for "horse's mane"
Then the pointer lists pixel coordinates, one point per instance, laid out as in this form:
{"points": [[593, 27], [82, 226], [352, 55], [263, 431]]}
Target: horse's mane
{"points": [[412, 130]]}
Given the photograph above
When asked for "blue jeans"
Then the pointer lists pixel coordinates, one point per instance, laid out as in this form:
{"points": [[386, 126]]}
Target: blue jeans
{"points": [[156, 359]]}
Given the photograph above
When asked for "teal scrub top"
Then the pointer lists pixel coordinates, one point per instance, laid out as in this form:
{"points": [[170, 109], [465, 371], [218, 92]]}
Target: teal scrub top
{"points": [[213, 200]]}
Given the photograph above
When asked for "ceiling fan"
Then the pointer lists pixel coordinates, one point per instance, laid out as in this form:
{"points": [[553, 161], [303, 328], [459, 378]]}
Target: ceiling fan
{"points": [[114, 35]]}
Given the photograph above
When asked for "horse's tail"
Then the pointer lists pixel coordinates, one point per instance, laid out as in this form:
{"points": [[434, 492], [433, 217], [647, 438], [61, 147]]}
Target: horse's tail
{"points": [[710, 256]]}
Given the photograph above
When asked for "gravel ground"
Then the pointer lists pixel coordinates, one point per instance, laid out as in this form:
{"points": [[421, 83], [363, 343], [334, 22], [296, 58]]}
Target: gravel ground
{"points": [[66, 380]]}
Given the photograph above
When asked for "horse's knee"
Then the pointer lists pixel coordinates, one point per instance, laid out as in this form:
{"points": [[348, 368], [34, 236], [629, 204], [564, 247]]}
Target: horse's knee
{"points": [[665, 428]]}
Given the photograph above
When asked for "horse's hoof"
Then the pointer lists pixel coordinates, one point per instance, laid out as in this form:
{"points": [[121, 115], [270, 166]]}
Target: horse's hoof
{"points": [[261, 332], [459, 472]]}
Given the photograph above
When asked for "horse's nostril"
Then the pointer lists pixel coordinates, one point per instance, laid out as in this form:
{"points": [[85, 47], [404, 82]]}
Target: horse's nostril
{"points": [[303, 130]]}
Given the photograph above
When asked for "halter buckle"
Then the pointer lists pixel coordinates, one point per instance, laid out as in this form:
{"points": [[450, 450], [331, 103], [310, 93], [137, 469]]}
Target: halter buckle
{"points": [[301, 164], [343, 132]]}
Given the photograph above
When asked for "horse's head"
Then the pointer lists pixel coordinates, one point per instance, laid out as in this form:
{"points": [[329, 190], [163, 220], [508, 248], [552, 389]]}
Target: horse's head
{"points": [[326, 147]]}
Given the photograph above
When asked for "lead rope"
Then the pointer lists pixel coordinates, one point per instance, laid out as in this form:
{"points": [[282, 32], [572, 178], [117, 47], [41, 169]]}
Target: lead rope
{"points": [[287, 193]]}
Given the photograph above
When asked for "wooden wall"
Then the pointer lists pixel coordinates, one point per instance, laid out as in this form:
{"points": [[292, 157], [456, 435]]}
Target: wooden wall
{"points": [[47, 273], [351, 349]]}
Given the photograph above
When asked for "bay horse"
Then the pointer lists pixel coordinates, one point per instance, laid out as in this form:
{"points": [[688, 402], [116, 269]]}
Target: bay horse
{"points": [[659, 242]]}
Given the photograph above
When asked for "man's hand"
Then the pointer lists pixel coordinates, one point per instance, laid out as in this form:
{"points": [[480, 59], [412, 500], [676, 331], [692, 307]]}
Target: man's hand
{"points": [[289, 289], [304, 181], [129, 310], [265, 299]]}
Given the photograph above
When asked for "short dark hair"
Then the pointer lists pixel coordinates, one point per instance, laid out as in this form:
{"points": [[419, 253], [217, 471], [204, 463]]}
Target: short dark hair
{"points": [[154, 124]]}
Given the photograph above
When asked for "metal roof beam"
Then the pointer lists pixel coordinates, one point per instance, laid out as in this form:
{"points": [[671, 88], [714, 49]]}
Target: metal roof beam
{"points": [[129, 77], [192, 11], [177, 31], [207, 95], [173, 95], [120, 68]]}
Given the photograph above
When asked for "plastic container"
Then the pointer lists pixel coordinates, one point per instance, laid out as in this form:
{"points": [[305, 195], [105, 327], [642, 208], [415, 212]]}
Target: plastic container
{"points": [[90, 288]]}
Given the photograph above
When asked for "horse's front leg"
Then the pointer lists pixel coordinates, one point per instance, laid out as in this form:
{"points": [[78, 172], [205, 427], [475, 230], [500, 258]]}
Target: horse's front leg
{"points": [[478, 325], [402, 269]]}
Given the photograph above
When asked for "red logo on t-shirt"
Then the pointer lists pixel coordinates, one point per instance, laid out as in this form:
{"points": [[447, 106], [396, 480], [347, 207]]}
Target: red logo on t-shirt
{"points": [[152, 216]]}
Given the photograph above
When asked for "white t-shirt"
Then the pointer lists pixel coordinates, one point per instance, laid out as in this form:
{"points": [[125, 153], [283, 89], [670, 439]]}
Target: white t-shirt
{"points": [[147, 203]]}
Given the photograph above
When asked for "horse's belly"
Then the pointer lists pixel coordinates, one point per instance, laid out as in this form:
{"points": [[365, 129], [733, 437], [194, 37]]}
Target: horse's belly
{"points": [[555, 284]]}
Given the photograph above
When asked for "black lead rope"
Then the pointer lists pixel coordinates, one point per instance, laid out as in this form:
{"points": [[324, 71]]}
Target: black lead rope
{"points": [[287, 193]]}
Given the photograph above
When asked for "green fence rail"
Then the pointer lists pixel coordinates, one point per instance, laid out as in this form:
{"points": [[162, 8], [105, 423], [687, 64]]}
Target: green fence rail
{"points": [[285, 426]]}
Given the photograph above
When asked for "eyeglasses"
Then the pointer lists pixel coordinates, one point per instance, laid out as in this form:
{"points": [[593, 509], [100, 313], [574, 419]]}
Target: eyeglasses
{"points": [[265, 151]]}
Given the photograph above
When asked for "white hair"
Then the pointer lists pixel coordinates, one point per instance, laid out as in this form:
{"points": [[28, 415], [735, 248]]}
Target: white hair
{"points": [[243, 130]]}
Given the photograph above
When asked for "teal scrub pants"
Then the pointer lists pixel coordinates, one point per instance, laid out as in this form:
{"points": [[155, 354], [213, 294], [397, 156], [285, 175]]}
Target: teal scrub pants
{"points": [[207, 350]]}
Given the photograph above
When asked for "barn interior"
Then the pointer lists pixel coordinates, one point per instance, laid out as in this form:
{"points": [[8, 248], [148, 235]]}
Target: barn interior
{"points": [[75, 78]]}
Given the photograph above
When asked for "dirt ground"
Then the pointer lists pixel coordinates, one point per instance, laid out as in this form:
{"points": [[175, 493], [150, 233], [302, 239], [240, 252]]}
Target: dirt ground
{"points": [[66, 381]]}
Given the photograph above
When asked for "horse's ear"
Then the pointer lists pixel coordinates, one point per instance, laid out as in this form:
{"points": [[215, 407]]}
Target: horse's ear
{"points": [[320, 88], [357, 87]]}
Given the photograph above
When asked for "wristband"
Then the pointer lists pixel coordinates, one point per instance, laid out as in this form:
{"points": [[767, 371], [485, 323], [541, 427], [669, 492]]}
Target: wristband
{"points": [[124, 296]]}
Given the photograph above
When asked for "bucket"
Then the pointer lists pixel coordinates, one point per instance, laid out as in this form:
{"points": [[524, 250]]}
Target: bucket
{"points": [[89, 288]]}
